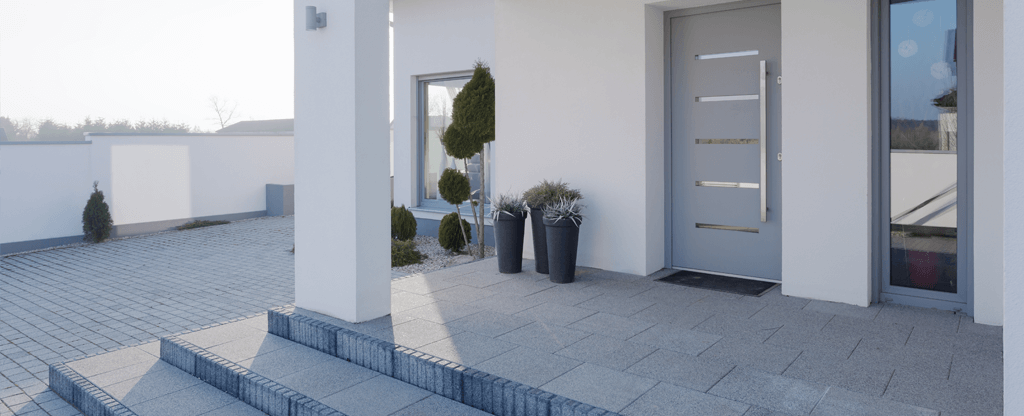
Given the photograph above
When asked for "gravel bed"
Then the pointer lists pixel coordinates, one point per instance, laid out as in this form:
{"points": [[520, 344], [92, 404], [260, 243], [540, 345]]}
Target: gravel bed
{"points": [[437, 257]]}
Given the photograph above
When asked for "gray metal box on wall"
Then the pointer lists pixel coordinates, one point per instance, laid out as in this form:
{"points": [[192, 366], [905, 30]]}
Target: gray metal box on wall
{"points": [[280, 200]]}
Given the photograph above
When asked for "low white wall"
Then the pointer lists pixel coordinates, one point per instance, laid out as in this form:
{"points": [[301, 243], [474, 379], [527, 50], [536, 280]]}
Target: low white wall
{"points": [[43, 190], [155, 178], [144, 179]]}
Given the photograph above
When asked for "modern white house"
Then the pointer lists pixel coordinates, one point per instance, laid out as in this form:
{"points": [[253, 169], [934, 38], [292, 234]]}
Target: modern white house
{"points": [[857, 151]]}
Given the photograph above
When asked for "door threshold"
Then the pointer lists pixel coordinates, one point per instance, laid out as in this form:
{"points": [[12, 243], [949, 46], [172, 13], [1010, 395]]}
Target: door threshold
{"points": [[738, 276]]}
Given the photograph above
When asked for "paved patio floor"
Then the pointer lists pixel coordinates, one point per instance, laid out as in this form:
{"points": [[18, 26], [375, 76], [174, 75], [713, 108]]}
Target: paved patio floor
{"points": [[59, 305], [622, 342], [640, 347]]}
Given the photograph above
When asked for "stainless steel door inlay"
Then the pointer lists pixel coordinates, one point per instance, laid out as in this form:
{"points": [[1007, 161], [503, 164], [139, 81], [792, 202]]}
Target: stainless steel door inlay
{"points": [[714, 98], [764, 141], [726, 55], [728, 228], [713, 184], [727, 141]]}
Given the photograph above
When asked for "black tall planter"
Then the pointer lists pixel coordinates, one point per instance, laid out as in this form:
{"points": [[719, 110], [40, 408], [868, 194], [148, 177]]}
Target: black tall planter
{"points": [[540, 240], [563, 237], [508, 235]]}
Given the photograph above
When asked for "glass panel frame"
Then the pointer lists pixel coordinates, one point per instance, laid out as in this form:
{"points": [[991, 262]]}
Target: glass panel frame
{"points": [[434, 202], [962, 299]]}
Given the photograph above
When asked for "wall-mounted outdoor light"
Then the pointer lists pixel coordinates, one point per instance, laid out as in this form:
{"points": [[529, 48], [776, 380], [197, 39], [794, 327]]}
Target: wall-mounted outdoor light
{"points": [[315, 20]]}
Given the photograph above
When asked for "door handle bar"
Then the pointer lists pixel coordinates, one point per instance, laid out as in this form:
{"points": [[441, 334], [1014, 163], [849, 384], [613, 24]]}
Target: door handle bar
{"points": [[764, 141]]}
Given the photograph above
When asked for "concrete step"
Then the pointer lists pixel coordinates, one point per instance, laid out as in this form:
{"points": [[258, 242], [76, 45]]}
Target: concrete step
{"points": [[134, 381], [283, 378]]}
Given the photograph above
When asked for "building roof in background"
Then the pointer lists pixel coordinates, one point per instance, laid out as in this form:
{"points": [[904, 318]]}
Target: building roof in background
{"points": [[261, 126], [3, 135]]}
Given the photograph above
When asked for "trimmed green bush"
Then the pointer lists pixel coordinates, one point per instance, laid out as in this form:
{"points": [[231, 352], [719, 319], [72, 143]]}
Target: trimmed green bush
{"points": [[404, 253], [200, 224], [403, 224], [450, 235], [454, 186], [96, 221]]}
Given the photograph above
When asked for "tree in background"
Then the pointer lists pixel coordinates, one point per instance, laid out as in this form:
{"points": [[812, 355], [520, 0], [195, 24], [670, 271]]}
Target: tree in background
{"points": [[472, 127], [50, 130], [224, 110]]}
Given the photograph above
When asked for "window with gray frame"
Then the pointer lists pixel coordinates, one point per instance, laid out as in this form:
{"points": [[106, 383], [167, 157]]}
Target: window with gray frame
{"points": [[435, 115]]}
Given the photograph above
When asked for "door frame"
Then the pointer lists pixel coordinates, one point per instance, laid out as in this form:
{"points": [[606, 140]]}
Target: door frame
{"points": [[881, 167], [669, 15]]}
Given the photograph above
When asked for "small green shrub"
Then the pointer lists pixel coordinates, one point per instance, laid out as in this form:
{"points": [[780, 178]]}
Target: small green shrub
{"points": [[403, 224], [450, 235], [454, 186], [200, 224], [404, 253], [96, 220], [547, 192]]}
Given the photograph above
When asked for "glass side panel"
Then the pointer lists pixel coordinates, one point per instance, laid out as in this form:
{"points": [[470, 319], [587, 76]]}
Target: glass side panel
{"points": [[923, 145]]}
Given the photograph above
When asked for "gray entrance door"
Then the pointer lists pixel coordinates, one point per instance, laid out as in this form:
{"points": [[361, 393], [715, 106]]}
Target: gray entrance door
{"points": [[726, 145]]}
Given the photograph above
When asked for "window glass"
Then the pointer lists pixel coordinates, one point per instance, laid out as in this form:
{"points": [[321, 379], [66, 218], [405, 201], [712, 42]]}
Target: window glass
{"points": [[923, 144], [436, 116]]}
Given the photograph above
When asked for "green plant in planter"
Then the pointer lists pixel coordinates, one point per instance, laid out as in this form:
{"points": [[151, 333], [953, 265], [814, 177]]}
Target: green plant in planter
{"points": [[548, 192], [404, 253], [472, 127], [455, 189], [96, 220], [450, 234], [511, 204], [403, 224], [565, 209]]}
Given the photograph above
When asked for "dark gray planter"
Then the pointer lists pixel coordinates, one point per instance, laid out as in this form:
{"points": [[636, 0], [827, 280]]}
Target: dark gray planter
{"points": [[540, 240], [563, 237], [508, 236]]}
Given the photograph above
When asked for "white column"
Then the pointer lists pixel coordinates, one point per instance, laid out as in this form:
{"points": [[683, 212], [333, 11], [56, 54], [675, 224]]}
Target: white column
{"points": [[342, 265], [1013, 213]]}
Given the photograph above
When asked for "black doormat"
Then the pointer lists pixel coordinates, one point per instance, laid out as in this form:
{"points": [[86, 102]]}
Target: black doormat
{"points": [[720, 283]]}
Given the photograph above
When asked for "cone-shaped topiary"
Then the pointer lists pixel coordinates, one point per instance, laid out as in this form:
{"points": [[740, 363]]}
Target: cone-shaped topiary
{"points": [[472, 116], [96, 221], [454, 186], [403, 224], [450, 235]]}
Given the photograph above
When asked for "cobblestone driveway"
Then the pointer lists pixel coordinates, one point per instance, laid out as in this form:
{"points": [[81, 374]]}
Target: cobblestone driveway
{"points": [[61, 304]]}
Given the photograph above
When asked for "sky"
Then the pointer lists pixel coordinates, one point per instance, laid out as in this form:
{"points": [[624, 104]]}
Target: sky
{"points": [[145, 59], [922, 66]]}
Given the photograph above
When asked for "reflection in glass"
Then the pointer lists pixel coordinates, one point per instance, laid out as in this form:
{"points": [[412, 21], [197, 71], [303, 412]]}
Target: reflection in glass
{"points": [[437, 106], [923, 143]]}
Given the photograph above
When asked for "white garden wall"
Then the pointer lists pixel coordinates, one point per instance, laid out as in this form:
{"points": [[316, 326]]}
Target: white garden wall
{"points": [[43, 189], [151, 182]]}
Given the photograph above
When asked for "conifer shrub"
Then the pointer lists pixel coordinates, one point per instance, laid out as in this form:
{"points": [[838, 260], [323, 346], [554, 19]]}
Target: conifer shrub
{"points": [[454, 187], [404, 253], [450, 236], [96, 221], [403, 224]]}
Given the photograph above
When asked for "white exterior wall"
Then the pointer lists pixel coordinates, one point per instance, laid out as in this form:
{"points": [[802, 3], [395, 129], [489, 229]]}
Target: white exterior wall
{"points": [[580, 98], [144, 179], [1013, 214], [156, 178], [44, 189], [988, 162], [827, 136], [432, 37]]}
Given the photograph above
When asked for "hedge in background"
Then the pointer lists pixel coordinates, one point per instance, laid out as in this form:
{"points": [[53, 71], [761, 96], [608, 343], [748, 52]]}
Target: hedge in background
{"points": [[403, 224], [96, 221], [450, 235], [404, 253]]}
